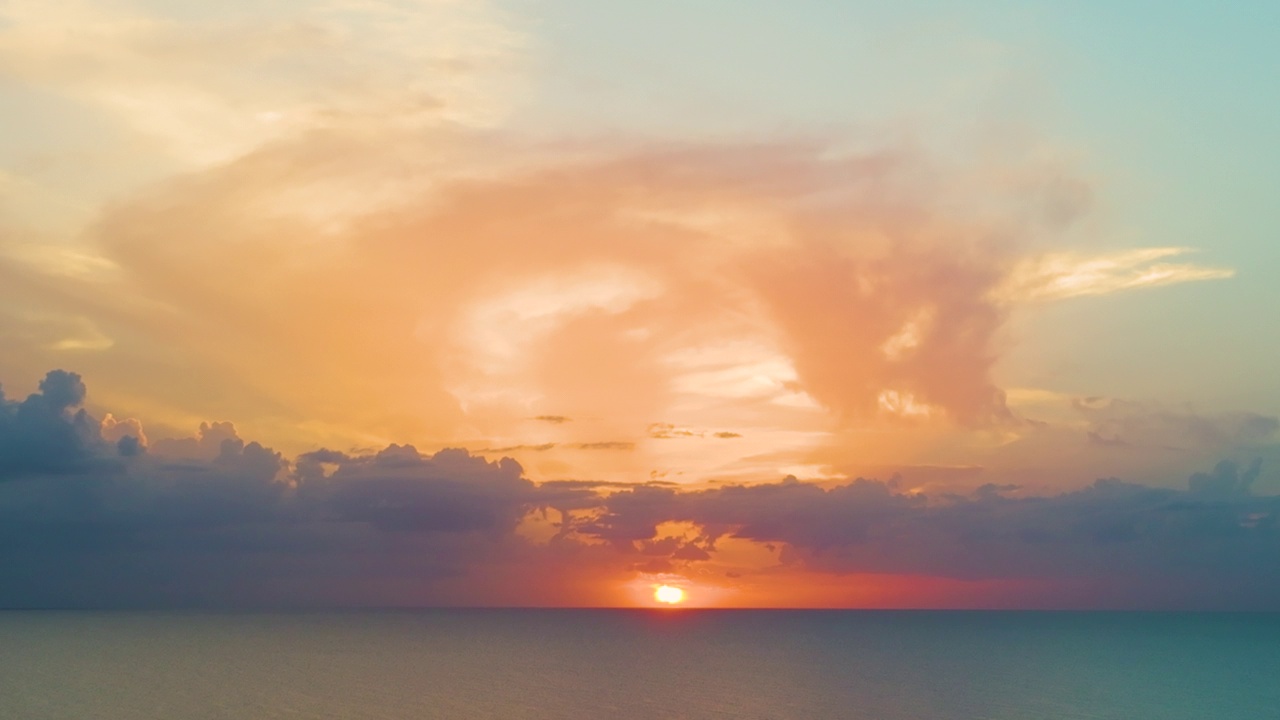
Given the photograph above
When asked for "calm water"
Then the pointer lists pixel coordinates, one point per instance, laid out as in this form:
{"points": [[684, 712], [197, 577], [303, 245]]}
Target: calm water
{"points": [[529, 664]]}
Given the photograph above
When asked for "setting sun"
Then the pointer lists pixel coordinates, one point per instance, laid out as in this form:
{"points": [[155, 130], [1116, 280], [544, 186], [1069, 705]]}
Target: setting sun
{"points": [[668, 594]]}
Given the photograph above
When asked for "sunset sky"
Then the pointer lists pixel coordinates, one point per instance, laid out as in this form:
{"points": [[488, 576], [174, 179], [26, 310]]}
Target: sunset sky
{"points": [[807, 303]]}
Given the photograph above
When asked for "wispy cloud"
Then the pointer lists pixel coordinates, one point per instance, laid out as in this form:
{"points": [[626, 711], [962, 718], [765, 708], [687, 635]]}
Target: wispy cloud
{"points": [[212, 82], [1058, 276]]}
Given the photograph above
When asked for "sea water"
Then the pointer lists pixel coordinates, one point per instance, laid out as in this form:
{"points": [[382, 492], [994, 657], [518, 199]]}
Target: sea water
{"points": [[641, 664]]}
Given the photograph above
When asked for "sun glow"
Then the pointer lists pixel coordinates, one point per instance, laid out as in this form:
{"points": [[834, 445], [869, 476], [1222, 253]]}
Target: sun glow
{"points": [[668, 595]]}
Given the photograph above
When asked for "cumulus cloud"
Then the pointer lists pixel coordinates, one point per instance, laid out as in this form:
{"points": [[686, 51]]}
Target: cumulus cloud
{"points": [[1127, 543], [49, 432], [1226, 481], [206, 445], [217, 520], [398, 489], [246, 527], [115, 429]]}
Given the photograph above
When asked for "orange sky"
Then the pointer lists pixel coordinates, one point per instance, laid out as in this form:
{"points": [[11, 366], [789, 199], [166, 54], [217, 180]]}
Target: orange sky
{"points": [[371, 291]]}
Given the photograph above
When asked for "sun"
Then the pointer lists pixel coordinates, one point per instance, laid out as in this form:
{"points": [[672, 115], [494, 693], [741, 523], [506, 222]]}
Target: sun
{"points": [[668, 594]]}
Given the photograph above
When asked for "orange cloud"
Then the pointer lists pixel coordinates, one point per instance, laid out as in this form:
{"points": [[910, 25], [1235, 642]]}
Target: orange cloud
{"points": [[1057, 276], [545, 293], [779, 292]]}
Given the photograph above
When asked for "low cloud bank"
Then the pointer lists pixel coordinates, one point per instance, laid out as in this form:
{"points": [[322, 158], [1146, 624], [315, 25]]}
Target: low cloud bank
{"points": [[215, 520]]}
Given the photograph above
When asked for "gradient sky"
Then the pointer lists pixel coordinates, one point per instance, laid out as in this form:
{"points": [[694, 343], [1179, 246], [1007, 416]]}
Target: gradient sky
{"points": [[415, 302]]}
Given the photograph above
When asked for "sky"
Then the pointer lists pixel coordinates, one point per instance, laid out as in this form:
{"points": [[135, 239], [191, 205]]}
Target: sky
{"points": [[369, 303]]}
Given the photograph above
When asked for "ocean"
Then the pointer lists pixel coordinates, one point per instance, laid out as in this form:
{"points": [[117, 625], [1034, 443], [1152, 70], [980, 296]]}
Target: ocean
{"points": [[639, 664]]}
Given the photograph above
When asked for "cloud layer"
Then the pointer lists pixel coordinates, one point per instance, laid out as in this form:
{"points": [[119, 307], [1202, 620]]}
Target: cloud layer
{"points": [[217, 521]]}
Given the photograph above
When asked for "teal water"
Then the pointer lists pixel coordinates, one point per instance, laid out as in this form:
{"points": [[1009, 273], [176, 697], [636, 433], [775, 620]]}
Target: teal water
{"points": [[656, 665]]}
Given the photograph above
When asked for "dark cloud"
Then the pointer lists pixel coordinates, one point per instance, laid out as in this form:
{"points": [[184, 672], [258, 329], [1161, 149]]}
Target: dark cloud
{"points": [[517, 448], [1226, 481], [1128, 535], [554, 419], [218, 520], [244, 528], [400, 489], [990, 490], [49, 433], [690, 551], [801, 514], [668, 431], [607, 445], [205, 445], [214, 519], [129, 446]]}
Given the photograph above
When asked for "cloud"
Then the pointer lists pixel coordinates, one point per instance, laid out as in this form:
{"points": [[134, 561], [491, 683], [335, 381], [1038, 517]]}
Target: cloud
{"points": [[1127, 543], [217, 520], [206, 445], [1226, 481], [1057, 276], [605, 445], [542, 447], [829, 273], [803, 515], [781, 289], [187, 524], [1133, 424], [668, 431], [49, 433], [400, 490], [116, 429], [239, 75]]}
